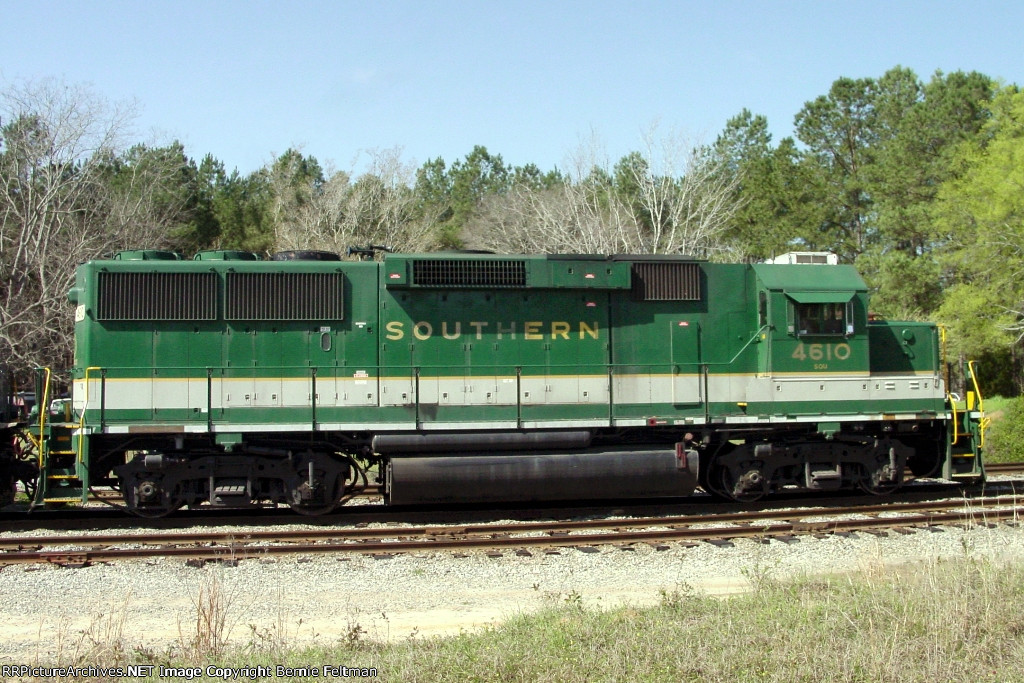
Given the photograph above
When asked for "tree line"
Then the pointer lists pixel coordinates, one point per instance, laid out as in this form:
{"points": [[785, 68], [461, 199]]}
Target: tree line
{"points": [[918, 183]]}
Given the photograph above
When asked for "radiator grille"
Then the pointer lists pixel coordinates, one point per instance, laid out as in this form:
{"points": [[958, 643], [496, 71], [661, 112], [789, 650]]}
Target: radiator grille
{"points": [[812, 258], [666, 282], [285, 296], [453, 273], [157, 296]]}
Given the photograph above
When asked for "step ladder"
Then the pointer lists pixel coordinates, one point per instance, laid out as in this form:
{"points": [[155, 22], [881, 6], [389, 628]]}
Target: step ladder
{"points": [[967, 435], [63, 477]]}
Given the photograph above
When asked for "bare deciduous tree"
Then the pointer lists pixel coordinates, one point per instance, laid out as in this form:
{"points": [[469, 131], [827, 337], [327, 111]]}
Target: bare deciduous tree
{"points": [[686, 195], [672, 198], [379, 207], [58, 208]]}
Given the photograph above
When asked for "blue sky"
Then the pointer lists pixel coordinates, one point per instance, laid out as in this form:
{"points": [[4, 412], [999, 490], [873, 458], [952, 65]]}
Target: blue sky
{"points": [[244, 81]]}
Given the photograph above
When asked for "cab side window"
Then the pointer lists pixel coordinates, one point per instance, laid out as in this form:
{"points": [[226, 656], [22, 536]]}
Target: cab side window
{"points": [[823, 319]]}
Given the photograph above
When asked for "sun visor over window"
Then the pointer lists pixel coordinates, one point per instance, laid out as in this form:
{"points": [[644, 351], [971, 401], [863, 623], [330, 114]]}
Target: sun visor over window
{"points": [[820, 297]]}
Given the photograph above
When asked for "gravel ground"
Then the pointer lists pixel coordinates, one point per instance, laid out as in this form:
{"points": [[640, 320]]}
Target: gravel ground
{"points": [[48, 613]]}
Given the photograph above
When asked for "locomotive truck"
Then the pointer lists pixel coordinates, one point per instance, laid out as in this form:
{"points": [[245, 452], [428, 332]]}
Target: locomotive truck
{"points": [[230, 381]]}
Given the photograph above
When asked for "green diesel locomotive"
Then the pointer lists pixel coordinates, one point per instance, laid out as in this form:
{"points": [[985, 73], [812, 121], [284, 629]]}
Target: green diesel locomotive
{"points": [[230, 381]]}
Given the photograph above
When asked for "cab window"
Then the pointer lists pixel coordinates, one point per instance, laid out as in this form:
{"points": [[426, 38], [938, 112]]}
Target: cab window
{"points": [[823, 319]]}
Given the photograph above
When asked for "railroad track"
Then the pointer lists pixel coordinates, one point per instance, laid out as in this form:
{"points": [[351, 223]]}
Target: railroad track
{"points": [[81, 550], [365, 507], [1004, 468]]}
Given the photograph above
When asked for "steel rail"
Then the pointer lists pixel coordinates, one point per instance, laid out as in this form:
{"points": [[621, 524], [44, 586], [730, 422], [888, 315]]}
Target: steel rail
{"points": [[1004, 467], [557, 526], [223, 545], [235, 553]]}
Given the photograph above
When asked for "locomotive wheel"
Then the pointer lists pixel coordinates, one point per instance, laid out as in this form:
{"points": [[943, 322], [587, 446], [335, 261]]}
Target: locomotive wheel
{"points": [[748, 486], [159, 503], [885, 476], [313, 510], [876, 482], [156, 511], [706, 476], [709, 477], [334, 493]]}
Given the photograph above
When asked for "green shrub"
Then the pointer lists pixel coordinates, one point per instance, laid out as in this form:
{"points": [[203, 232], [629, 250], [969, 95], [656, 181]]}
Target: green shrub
{"points": [[1004, 439]]}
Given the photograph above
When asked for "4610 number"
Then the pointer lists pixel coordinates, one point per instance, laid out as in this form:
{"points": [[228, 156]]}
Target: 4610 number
{"points": [[821, 352]]}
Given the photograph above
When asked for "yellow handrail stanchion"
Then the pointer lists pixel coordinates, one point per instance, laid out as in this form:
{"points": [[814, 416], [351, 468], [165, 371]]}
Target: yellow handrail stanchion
{"points": [[974, 381], [44, 408], [984, 421]]}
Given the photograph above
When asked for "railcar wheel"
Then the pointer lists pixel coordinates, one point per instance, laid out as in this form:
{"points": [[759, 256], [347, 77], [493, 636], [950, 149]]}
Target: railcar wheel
{"points": [[7, 490], [25, 468]]}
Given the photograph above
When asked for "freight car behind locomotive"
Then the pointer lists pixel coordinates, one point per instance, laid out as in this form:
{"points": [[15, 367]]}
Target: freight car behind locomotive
{"points": [[233, 382], [9, 424], [15, 464]]}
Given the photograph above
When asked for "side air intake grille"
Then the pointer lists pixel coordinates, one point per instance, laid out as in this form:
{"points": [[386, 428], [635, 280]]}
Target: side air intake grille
{"points": [[157, 296], [666, 282], [452, 273], [285, 296]]}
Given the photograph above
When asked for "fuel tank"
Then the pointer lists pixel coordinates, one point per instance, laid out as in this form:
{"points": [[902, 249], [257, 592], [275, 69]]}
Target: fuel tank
{"points": [[477, 477]]}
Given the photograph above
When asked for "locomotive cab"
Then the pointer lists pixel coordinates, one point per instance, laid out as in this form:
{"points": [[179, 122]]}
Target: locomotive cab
{"points": [[814, 321], [836, 401]]}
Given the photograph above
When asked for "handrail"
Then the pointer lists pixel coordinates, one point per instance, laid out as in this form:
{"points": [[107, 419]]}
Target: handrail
{"points": [[956, 422], [763, 328], [44, 409], [948, 379], [85, 405], [984, 421], [943, 363], [406, 371], [974, 380]]}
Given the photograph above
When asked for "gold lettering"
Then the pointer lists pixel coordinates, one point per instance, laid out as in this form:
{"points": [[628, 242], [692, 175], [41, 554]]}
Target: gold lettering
{"points": [[532, 330], [423, 330], [445, 333], [592, 331], [479, 327]]}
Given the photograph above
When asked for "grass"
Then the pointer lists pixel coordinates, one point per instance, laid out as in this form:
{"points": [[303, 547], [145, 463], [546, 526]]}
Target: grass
{"points": [[997, 404], [939, 621]]}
